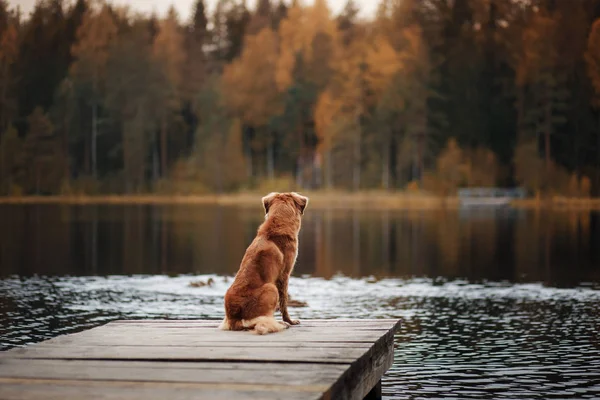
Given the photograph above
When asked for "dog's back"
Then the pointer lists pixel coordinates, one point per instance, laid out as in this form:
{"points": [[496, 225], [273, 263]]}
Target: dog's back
{"points": [[261, 282]]}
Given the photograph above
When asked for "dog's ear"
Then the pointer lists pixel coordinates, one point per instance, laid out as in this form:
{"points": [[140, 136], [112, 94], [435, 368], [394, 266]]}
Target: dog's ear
{"points": [[266, 201], [301, 201]]}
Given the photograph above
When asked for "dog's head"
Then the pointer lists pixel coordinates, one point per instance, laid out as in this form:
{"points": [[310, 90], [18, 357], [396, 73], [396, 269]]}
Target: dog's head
{"points": [[289, 204]]}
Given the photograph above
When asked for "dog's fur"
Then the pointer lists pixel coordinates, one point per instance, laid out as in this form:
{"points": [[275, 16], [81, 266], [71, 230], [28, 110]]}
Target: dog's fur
{"points": [[262, 280]]}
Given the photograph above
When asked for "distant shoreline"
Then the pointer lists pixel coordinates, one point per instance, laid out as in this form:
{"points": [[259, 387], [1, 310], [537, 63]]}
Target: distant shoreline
{"points": [[375, 200], [317, 200]]}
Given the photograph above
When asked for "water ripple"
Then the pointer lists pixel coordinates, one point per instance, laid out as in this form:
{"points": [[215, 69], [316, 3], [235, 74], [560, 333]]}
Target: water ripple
{"points": [[457, 339]]}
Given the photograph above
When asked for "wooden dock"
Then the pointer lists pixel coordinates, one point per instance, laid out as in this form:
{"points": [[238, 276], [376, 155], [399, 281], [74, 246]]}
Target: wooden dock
{"points": [[192, 359]]}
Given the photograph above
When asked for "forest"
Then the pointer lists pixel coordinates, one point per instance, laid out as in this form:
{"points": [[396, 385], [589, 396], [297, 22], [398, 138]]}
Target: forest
{"points": [[429, 96]]}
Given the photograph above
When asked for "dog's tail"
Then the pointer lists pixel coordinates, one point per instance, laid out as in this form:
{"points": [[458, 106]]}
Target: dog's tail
{"points": [[231, 325], [263, 325]]}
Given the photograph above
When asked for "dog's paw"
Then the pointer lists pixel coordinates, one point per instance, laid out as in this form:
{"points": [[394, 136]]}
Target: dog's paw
{"points": [[294, 322], [285, 324]]}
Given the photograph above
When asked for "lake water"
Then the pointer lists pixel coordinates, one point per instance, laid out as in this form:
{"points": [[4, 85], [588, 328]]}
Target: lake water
{"points": [[493, 303]]}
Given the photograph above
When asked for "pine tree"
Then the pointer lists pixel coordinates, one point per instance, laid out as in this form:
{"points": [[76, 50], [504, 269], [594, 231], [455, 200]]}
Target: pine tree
{"points": [[44, 171], [132, 97], [11, 161], [8, 55], [539, 71], [251, 91], [169, 55], [91, 52]]}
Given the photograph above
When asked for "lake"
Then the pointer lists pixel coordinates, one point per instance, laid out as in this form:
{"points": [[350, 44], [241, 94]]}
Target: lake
{"points": [[494, 303]]}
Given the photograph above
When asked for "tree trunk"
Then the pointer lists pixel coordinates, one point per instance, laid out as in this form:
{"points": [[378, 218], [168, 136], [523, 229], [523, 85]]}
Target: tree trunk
{"points": [[357, 158], [4, 188], [385, 162], [155, 166], [300, 159], [94, 137], [328, 170], [127, 173], [548, 127], [86, 155], [421, 165], [520, 113], [219, 166], [67, 166], [3, 107], [270, 158], [299, 171], [163, 148], [249, 164], [598, 156]]}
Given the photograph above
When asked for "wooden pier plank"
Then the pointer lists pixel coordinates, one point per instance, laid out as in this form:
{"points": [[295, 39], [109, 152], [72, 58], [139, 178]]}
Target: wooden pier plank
{"points": [[154, 358], [304, 374], [118, 390], [190, 353]]}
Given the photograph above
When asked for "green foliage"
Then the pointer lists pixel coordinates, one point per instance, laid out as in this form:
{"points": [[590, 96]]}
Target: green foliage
{"points": [[11, 161], [44, 164]]}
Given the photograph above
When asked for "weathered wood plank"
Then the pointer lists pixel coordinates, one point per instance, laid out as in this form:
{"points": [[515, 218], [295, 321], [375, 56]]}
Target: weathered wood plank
{"points": [[382, 323], [228, 373], [184, 341], [38, 389], [193, 359], [366, 371], [312, 327], [293, 334], [186, 353]]}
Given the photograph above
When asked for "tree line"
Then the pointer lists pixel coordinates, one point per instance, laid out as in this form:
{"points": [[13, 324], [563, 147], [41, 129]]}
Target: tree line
{"points": [[426, 95]]}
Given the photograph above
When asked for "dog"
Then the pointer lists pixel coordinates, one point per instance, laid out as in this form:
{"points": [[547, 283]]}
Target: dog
{"points": [[261, 283]]}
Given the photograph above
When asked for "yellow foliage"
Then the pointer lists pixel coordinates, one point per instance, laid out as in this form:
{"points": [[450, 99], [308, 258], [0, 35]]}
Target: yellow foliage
{"points": [[481, 167], [592, 56], [248, 82], [538, 47], [450, 166], [383, 63], [284, 183], [573, 186], [326, 110], [169, 52], [296, 34], [585, 186], [432, 183], [94, 36], [412, 187], [8, 46], [529, 167]]}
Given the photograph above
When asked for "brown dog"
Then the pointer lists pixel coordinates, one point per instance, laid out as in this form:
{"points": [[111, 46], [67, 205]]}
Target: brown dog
{"points": [[262, 280]]}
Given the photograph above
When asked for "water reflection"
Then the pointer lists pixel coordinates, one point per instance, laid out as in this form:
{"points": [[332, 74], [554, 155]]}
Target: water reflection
{"points": [[503, 244]]}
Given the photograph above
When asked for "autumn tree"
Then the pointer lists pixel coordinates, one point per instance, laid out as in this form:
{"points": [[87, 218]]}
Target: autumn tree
{"points": [[197, 37], [308, 49], [539, 71], [218, 153], [530, 170], [133, 98], [261, 17], [251, 91], [91, 53], [592, 58], [450, 167], [169, 55], [44, 172], [8, 55], [11, 161], [44, 54]]}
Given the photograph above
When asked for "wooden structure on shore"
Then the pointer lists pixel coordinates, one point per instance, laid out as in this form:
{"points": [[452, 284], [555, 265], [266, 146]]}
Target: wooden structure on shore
{"points": [[192, 359], [488, 197]]}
